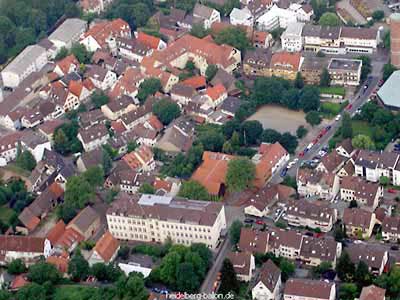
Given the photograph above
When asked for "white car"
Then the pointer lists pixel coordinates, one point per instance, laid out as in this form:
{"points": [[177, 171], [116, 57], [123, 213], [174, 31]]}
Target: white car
{"points": [[338, 117]]}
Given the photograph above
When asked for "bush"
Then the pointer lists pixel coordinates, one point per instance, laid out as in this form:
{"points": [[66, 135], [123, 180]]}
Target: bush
{"points": [[301, 132]]}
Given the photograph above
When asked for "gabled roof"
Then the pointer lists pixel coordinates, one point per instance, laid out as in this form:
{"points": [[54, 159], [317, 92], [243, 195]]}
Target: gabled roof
{"points": [[106, 246], [253, 241], [84, 219], [372, 292], [269, 275], [216, 91], [148, 40], [21, 244], [307, 288]]}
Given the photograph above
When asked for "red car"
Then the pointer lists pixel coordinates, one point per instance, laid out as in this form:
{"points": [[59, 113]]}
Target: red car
{"points": [[260, 222], [301, 154], [349, 106], [392, 191], [315, 141]]}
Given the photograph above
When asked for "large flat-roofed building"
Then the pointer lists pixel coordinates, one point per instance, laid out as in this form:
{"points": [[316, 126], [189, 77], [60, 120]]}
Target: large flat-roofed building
{"points": [[31, 59], [152, 218], [345, 71], [312, 67], [68, 33], [291, 38], [388, 94]]}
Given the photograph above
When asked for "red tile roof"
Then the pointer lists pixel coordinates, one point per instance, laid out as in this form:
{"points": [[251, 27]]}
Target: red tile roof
{"points": [[66, 63], [148, 40], [61, 263], [106, 246], [155, 123], [286, 60], [216, 91], [19, 282], [56, 232], [195, 82], [118, 126]]}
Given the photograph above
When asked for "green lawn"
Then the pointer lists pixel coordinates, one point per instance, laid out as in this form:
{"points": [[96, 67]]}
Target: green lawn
{"points": [[330, 109], [5, 214], [73, 292], [361, 127], [333, 90]]}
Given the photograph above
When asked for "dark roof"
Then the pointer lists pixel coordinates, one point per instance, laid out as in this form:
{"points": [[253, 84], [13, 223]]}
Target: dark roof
{"points": [[224, 78], [21, 244], [258, 57], [231, 104], [373, 159], [93, 133], [311, 30], [183, 90], [325, 249], [358, 33], [328, 32], [307, 288], [84, 219], [92, 158], [314, 63], [270, 274], [372, 255], [357, 217]]}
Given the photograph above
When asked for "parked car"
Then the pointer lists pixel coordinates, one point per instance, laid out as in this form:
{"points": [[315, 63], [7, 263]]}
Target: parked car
{"points": [[260, 222], [328, 127], [283, 172], [394, 248], [301, 154], [156, 290], [248, 221], [392, 191], [338, 117], [308, 233], [350, 106]]}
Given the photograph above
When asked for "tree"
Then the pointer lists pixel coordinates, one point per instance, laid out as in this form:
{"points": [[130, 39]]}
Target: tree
{"points": [[299, 82], [186, 5], [289, 142], [301, 132], [5, 295], [353, 204], [366, 66], [193, 190], [329, 19], [229, 281], [147, 188], [106, 162], [345, 268], [81, 54], [199, 31], [384, 180], [123, 252], [388, 70], [132, 287], [132, 145], [347, 128], [26, 161], [313, 118], [325, 79], [233, 36], [203, 251], [211, 138], [168, 268], [362, 276], [42, 272], [17, 266], [240, 174], [72, 10], [287, 268], [210, 72], [252, 131], [148, 87], [319, 8], [99, 270], [62, 53], [187, 279], [32, 291], [339, 233], [309, 98], [362, 141], [348, 291], [234, 231], [166, 111], [78, 267], [378, 15], [94, 176], [99, 99], [390, 282], [270, 136]]}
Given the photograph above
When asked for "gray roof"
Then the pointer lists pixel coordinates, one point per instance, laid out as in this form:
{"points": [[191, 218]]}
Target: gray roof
{"points": [[344, 64], [314, 63], [85, 219], [311, 30], [294, 28], [202, 11], [388, 93], [331, 33], [24, 59], [68, 30]]}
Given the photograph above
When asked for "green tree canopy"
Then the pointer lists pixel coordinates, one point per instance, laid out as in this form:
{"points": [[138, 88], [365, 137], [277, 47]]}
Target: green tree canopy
{"points": [[309, 98], [81, 54], [229, 281], [193, 190], [378, 15], [313, 118], [347, 129], [388, 70], [166, 111], [148, 87], [233, 36], [32, 291], [345, 268], [234, 231], [99, 99], [147, 188], [199, 31], [289, 142], [329, 19], [325, 79], [298, 82], [348, 291], [25, 160], [301, 132], [366, 66], [252, 131], [17, 266], [78, 267], [362, 141], [210, 72], [240, 174], [42, 272], [270, 136]]}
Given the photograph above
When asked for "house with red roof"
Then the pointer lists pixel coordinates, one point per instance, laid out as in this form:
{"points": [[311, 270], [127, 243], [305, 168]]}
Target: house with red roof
{"points": [[216, 95], [142, 159], [66, 65], [286, 64], [151, 41], [106, 249], [99, 35]]}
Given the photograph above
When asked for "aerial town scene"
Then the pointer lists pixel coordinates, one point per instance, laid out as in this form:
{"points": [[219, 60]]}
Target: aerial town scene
{"points": [[199, 149]]}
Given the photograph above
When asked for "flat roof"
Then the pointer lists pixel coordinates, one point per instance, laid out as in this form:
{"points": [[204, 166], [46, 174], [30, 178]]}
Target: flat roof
{"points": [[294, 28], [67, 30], [345, 64], [389, 92]]}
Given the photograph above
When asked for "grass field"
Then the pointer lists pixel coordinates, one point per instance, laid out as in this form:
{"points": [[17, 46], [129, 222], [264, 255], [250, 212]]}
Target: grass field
{"points": [[333, 90], [73, 292], [361, 127], [5, 214]]}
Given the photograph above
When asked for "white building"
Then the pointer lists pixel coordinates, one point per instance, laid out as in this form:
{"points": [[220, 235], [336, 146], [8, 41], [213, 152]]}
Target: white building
{"points": [[303, 12], [269, 283], [32, 59], [276, 17], [151, 218], [241, 17], [68, 33], [291, 38], [93, 137], [28, 249]]}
